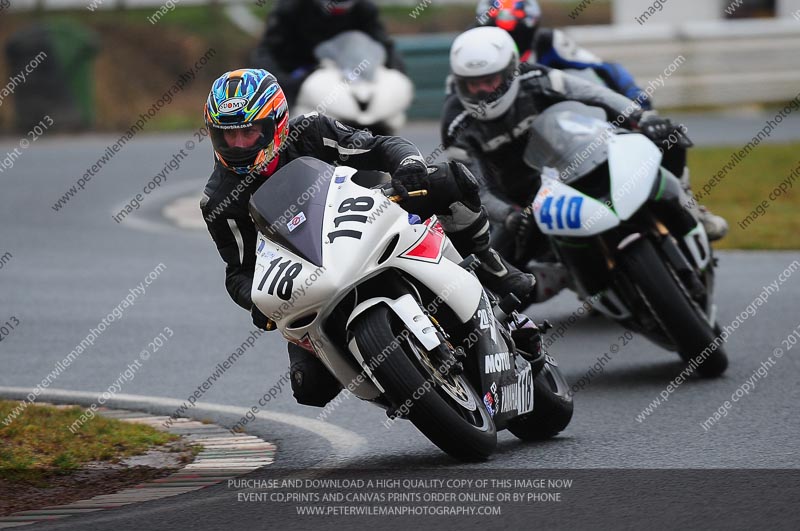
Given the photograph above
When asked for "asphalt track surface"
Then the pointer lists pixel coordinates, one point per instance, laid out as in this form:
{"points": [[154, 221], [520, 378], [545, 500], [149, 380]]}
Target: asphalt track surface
{"points": [[69, 269]]}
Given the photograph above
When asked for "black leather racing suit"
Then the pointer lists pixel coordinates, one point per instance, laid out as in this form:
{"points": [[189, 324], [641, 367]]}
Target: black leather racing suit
{"points": [[493, 149], [296, 27], [453, 195]]}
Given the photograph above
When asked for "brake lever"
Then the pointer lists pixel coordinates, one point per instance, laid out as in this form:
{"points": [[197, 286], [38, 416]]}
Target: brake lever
{"points": [[397, 198]]}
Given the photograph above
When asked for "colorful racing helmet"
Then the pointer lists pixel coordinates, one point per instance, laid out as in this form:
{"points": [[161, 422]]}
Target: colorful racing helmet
{"points": [[243, 99], [510, 15], [336, 7]]}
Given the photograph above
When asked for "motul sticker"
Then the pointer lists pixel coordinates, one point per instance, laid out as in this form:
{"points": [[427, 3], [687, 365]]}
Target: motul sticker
{"points": [[497, 362]]}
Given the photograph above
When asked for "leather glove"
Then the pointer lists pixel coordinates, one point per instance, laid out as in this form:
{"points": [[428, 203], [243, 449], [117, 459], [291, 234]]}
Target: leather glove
{"points": [[412, 174], [655, 127], [521, 224], [513, 220], [261, 321], [662, 130]]}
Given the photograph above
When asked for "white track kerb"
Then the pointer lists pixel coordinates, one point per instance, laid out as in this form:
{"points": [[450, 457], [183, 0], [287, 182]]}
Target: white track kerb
{"points": [[222, 457]]}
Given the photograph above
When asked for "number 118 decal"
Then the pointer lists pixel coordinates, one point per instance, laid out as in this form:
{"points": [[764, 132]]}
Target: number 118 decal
{"points": [[286, 272], [569, 216]]}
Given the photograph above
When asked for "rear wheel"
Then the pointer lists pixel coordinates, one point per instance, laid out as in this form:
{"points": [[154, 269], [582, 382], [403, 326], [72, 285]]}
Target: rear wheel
{"points": [[552, 407], [680, 316], [445, 408]]}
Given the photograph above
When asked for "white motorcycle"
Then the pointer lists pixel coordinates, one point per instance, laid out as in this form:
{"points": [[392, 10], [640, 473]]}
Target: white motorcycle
{"points": [[615, 218], [393, 311], [352, 85]]}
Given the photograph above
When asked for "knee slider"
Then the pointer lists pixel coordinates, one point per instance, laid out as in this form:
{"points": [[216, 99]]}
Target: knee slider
{"points": [[467, 184], [312, 385], [469, 231]]}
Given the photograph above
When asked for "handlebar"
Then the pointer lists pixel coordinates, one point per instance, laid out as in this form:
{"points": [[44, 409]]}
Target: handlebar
{"points": [[416, 193], [392, 195]]}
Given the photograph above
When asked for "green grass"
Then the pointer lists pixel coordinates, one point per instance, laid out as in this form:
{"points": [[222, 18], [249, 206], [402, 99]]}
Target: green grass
{"points": [[206, 21], [744, 188], [40, 439]]}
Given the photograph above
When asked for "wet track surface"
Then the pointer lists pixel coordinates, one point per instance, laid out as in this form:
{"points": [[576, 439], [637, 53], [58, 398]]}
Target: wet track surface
{"points": [[70, 269]]}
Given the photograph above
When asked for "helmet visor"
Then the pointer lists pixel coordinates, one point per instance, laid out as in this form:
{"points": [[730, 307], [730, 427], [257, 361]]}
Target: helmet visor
{"points": [[487, 88], [240, 145]]}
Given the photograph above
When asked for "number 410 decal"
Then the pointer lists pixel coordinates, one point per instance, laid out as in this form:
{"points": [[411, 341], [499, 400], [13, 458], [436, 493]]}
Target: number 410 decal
{"points": [[571, 218]]}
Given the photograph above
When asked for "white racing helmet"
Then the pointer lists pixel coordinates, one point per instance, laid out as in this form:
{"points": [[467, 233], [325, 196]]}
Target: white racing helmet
{"points": [[485, 66]]}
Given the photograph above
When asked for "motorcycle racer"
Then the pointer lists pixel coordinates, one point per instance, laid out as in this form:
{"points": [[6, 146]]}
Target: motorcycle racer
{"points": [[296, 27], [552, 47], [252, 136], [485, 126]]}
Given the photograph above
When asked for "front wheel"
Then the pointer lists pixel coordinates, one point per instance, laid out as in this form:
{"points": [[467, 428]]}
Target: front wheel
{"points": [[680, 316], [552, 407], [445, 408]]}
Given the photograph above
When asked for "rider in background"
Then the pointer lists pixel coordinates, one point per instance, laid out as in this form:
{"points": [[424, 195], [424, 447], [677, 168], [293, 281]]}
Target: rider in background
{"points": [[486, 126], [296, 27], [552, 47]]}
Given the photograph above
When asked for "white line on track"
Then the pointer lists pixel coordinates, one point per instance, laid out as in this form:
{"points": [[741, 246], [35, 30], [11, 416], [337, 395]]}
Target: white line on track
{"points": [[167, 194]]}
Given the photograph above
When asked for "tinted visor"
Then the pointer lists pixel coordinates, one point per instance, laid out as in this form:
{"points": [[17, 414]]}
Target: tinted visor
{"points": [[487, 88], [239, 155]]}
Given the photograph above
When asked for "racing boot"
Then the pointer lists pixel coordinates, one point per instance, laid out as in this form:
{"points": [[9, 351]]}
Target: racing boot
{"points": [[551, 279], [502, 278], [469, 231], [454, 197], [716, 227]]}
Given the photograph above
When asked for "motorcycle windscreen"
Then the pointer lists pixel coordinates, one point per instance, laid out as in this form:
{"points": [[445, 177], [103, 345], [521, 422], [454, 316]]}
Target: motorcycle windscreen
{"points": [[290, 207], [570, 137], [355, 53]]}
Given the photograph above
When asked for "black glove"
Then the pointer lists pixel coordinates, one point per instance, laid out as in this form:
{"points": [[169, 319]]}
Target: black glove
{"points": [[522, 225], [262, 321], [655, 127], [412, 174], [662, 130], [513, 220]]}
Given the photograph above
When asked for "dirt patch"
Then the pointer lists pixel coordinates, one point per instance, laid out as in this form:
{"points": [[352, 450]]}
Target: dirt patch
{"points": [[27, 490], [135, 64]]}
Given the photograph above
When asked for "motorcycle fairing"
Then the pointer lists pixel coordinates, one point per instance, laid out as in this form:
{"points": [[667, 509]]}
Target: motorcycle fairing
{"points": [[634, 165], [362, 234], [299, 192], [561, 210], [501, 369]]}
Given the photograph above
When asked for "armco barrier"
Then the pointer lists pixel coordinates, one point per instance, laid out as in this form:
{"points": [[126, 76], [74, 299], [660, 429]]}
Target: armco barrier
{"points": [[727, 63]]}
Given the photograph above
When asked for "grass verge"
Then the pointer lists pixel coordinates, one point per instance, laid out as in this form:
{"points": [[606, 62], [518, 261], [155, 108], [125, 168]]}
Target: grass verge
{"points": [[40, 439], [745, 190]]}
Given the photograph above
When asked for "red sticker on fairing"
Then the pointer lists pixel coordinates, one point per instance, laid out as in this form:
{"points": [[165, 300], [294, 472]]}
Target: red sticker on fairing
{"points": [[430, 246]]}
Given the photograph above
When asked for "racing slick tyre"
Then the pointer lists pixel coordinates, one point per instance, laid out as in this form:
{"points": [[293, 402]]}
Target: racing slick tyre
{"points": [[680, 316], [444, 407], [552, 406]]}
